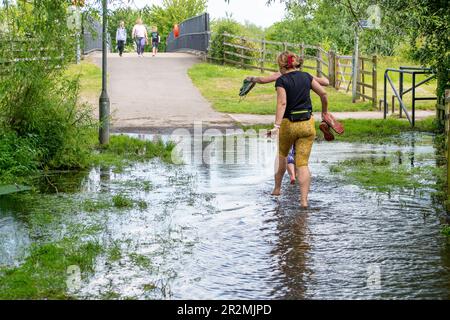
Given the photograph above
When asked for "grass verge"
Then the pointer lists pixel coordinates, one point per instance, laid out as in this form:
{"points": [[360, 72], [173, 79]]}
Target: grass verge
{"points": [[220, 85]]}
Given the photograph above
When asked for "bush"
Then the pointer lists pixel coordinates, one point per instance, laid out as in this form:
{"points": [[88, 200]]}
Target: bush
{"points": [[18, 156], [58, 124]]}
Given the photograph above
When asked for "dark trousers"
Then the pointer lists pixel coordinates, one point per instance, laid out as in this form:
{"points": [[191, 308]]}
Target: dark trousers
{"points": [[120, 46]]}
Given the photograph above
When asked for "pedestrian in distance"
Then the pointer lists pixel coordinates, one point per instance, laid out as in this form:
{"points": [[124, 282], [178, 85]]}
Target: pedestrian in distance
{"points": [[121, 37], [155, 40], [140, 36]]}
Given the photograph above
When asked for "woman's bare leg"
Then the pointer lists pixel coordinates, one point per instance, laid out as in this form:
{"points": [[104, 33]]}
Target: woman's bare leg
{"points": [[280, 167], [304, 178], [291, 171]]}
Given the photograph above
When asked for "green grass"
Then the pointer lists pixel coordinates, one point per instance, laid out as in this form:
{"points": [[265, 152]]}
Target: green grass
{"points": [[123, 150], [220, 85], [90, 76], [380, 131], [383, 175], [122, 201], [43, 275], [425, 90]]}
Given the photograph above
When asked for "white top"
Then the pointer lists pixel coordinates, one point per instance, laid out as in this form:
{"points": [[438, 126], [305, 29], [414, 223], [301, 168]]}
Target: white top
{"points": [[139, 31]]}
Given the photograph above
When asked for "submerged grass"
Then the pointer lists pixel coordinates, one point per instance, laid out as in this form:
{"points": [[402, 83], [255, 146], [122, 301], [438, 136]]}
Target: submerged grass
{"points": [[382, 175], [43, 275], [124, 150]]}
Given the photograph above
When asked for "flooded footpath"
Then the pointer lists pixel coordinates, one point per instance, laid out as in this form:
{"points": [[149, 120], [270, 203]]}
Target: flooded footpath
{"points": [[212, 231]]}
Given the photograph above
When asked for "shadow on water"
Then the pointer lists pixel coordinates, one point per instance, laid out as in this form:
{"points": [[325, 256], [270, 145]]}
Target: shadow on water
{"points": [[212, 231]]}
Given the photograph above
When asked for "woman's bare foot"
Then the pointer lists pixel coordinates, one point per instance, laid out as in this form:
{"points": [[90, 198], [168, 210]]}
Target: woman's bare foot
{"points": [[276, 192], [304, 204]]}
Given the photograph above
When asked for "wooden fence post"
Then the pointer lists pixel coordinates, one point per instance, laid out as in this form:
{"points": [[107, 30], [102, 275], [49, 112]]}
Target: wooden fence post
{"points": [[319, 63], [302, 51], [263, 54], [223, 50], [331, 68], [337, 79], [362, 88], [374, 81]]}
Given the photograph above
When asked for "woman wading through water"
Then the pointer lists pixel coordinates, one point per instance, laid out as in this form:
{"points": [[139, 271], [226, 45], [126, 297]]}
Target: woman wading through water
{"points": [[294, 121], [290, 161]]}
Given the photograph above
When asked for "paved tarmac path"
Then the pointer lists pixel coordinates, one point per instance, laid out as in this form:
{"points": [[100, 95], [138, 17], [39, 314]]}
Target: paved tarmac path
{"points": [[156, 92]]}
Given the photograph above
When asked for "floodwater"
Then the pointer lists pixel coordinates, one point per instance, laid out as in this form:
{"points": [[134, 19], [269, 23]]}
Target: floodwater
{"points": [[212, 231]]}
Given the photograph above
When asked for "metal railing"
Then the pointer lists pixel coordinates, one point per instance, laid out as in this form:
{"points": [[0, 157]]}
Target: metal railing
{"points": [[194, 34], [414, 71]]}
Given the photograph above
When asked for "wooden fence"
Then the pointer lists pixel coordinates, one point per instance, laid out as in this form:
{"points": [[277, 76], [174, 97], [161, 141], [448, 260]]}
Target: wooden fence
{"points": [[261, 54]]}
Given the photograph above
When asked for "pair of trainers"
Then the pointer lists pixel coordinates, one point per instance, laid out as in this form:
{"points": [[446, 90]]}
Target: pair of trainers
{"points": [[328, 123]]}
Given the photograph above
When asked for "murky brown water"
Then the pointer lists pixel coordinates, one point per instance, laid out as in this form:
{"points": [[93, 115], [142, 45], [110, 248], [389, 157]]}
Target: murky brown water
{"points": [[213, 231]]}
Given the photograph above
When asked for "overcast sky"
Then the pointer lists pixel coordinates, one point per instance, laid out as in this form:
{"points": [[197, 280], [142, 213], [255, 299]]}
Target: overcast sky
{"points": [[254, 11]]}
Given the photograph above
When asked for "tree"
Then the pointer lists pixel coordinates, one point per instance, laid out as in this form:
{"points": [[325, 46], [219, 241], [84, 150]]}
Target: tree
{"points": [[173, 12]]}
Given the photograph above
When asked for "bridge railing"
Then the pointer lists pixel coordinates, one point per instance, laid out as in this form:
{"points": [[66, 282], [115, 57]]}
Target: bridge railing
{"points": [[194, 34]]}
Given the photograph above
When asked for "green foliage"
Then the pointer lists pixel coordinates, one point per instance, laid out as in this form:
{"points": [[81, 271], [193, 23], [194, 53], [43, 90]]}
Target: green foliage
{"points": [[230, 26], [423, 24], [42, 123], [446, 230]]}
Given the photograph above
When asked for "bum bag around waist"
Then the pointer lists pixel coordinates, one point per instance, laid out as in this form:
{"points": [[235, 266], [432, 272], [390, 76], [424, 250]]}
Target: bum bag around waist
{"points": [[299, 115]]}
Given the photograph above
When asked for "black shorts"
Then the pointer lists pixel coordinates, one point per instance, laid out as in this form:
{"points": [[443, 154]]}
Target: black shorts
{"points": [[155, 44]]}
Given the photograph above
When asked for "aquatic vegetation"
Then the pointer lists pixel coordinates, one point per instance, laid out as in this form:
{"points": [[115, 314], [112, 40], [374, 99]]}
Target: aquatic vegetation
{"points": [[122, 201], [114, 252], [383, 175], [43, 275], [140, 260], [91, 205]]}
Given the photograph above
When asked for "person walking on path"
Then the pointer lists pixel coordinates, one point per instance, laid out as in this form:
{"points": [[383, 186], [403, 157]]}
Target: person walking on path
{"points": [[121, 37], [294, 121], [140, 35], [155, 40]]}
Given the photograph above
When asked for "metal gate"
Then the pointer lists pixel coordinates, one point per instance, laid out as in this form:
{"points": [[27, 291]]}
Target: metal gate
{"points": [[194, 34]]}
